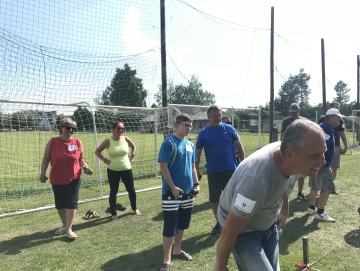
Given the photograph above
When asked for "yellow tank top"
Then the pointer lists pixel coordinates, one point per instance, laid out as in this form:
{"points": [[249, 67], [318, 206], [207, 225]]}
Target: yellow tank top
{"points": [[118, 155]]}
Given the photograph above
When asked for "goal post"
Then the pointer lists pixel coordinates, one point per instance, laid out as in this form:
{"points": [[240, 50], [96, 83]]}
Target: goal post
{"points": [[26, 127], [352, 124]]}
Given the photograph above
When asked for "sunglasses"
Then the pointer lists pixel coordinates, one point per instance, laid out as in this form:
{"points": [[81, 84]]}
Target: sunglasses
{"points": [[71, 128], [120, 128], [228, 123]]}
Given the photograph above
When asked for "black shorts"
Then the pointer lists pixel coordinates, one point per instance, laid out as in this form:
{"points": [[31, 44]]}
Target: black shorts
{"points": [[67, 196], [217, 182]]}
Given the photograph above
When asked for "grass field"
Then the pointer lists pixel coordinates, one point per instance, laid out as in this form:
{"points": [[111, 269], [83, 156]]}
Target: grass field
{"points": [[21, 155], [135, 243]]}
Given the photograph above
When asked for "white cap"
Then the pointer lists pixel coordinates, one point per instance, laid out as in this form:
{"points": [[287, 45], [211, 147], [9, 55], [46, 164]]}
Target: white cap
{"points": [[333, 111]]}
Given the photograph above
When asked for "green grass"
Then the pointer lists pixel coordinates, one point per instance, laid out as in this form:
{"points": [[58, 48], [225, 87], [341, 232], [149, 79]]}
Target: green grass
{"points": [[21, 155], [135, 243]]}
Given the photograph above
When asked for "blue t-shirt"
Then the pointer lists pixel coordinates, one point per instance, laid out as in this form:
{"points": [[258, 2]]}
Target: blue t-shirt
{"points": [[180, 154], [330, 142], [218, 146]]}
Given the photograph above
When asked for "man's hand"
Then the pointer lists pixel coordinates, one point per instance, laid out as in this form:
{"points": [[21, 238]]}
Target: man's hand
{"points": [[343, 151]]}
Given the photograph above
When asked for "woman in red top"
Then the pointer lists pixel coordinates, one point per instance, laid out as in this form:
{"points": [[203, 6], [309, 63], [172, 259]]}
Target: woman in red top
{"points": [[66, 156]]}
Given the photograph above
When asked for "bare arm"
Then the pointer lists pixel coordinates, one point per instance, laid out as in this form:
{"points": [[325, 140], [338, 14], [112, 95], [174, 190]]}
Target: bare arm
{"points": [[345, 142], [195, 178], [166, 174], [284, 213], [133, 148], [45, 163], [240, 148], [233, 226], [98, 152], [82, 161], [197, 163]]}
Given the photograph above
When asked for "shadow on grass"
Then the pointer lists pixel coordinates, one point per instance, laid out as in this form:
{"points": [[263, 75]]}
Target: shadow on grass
{"points": [[353, 238], [292, 233], [19, 243], [197, 209], [154, 256]]}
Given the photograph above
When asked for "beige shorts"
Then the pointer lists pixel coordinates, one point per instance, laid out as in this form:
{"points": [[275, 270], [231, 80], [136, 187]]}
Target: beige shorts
{"points": [[323, 180], [335, 162]]}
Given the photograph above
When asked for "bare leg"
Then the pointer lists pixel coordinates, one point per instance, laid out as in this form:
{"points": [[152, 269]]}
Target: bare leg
{"points": [[167, 243], [214, 207], [70, 215], [177, 244], [313, 194], [334, 171], [62, 214], [300, 185], [324, 195]]}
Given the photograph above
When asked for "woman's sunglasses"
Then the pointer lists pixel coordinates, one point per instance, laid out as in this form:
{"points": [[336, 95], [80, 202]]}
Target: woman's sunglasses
{"points": [[71, 128]]}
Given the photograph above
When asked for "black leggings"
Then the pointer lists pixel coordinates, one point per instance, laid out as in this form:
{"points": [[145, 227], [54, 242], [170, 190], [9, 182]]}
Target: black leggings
{"points": [[114, 181]]}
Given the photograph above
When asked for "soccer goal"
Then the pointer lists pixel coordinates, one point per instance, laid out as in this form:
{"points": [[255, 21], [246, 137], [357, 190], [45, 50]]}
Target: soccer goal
{"points": [[26, 127], [352, 124]]}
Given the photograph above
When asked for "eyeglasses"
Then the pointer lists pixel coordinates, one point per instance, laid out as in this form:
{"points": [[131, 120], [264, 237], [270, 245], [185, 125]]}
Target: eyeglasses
{"points": [[228, 123], [120, 128], [71, 128], [186, 125]]}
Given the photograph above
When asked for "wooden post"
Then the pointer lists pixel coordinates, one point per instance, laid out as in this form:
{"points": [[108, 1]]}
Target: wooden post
{"points": [[163, 54], [323, 75], [305, 250], [271, 105]]}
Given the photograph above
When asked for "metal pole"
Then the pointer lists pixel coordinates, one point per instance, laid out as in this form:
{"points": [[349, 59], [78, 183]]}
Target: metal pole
{"points": [[323, 75], [163, 54], [271, 115], [358, 82]]}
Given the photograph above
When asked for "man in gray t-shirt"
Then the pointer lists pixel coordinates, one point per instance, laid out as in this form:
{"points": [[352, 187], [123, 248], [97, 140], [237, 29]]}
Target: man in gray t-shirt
{"points": [[254, 204]]}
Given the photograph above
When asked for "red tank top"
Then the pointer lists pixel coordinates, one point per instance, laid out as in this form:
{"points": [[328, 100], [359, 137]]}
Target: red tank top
{"points": [[65, 164]]}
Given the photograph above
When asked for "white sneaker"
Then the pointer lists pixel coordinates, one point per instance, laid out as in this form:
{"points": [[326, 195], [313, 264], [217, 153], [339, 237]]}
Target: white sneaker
{"points": [[324, 217], [311, 211]]}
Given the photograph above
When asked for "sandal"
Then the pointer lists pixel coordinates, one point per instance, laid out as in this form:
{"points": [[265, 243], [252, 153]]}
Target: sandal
{"points": [[182, 256], [165, 267], [60, 231], [71, 235]]}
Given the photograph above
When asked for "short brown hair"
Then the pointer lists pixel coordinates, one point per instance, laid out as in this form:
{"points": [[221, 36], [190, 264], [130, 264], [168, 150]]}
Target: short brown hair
{"points": [[332, 105], [183, 117], [66, 122]]}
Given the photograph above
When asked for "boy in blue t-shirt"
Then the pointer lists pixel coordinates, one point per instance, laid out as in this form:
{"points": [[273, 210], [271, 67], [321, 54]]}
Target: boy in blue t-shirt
{"points": [[179, 187]]}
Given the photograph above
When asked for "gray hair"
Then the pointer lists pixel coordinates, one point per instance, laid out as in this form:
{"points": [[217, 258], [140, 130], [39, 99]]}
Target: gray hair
{"points": [[294, 134], [213, 108]]}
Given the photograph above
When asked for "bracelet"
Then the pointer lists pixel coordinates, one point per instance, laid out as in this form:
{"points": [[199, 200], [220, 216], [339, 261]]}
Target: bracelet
{"points": [[195, 185], [105, 160], [132, 155]]}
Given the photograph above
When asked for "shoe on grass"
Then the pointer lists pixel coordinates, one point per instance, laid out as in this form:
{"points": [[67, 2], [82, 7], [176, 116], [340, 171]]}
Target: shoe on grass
{"points": [[60, 231], [324, 217], [334, 192], [216, 230], [71, 235], [302, 196], [311, 211]]}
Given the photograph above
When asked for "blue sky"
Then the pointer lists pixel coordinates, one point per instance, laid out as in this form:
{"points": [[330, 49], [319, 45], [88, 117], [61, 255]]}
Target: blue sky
{"points": [[225, 43]]}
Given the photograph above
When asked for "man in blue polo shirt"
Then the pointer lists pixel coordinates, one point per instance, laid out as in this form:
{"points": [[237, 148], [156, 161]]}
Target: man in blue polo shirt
{"points": [[218, 140], [324, 180]]}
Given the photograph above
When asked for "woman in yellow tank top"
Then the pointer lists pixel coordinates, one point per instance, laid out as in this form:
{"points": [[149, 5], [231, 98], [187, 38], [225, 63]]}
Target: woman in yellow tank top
{"points": [[119, 165]]}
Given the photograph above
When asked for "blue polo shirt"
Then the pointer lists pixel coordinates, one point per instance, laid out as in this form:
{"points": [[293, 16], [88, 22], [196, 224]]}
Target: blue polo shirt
{"points": [[218, 146], [330, 142]]}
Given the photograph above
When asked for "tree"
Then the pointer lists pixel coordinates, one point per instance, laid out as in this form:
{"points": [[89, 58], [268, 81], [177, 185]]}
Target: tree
{"points": [[83, 119], [125, 89], [193, 93], [342, 96], [294, 90]]}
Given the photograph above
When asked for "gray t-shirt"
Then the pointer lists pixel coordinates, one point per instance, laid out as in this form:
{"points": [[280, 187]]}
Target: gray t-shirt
{"points": [[256, 190]]}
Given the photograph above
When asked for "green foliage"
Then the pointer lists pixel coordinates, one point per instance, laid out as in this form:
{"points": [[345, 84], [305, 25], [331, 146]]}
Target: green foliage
{"points": [[58, 120], [83, 118], [126, 89], [342, 96], [294, 90], [193, 93]]}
